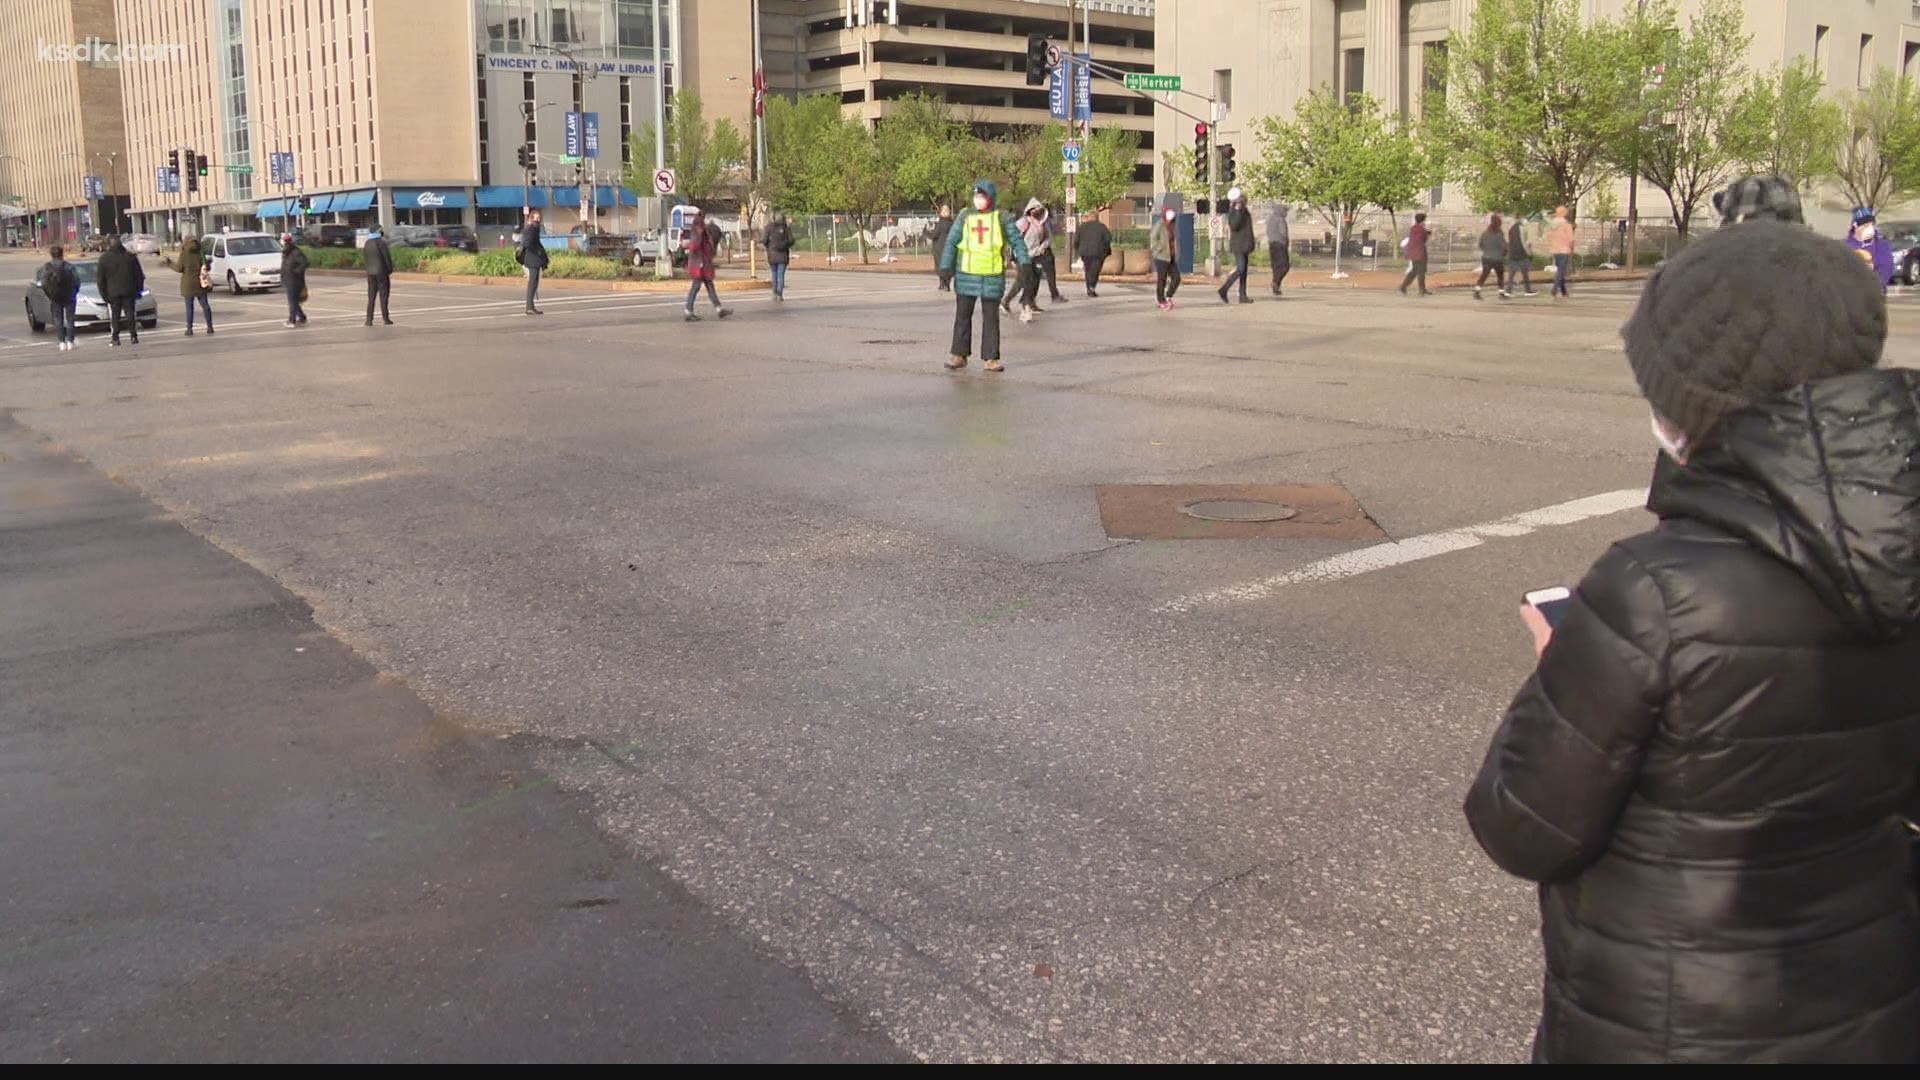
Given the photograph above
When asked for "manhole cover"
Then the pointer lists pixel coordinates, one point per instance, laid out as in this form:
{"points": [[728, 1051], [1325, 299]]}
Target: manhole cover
{"points": [[1238, 510]]}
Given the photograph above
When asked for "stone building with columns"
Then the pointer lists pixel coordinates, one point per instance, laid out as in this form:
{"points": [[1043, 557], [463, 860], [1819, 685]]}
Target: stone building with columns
{"points": [[1259, 57]]}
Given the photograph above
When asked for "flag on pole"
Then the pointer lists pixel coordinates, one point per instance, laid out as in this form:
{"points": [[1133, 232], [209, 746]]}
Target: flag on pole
{"points": [[759, 91]]}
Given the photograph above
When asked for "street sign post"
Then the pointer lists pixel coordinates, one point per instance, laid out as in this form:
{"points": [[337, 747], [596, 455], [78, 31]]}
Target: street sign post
{"points": [[1070, 168], [574, 125], [663, 181], [1148, 82], [242, 170], [569, 159]]}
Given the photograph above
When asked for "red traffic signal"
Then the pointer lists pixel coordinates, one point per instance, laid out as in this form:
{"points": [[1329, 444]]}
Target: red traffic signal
{"points": [[1200, 130]]}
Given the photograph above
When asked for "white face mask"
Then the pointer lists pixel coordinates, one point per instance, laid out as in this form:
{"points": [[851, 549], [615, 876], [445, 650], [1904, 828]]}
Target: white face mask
{"points": [[1675, 448], [980, 202], [1866, 232]]}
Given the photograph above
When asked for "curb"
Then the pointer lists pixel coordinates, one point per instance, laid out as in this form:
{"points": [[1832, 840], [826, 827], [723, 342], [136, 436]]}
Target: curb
{"points": [[620, 285]]}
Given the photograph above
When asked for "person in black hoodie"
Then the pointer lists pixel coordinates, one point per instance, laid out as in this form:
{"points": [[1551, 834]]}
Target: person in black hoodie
{"points": [[1239, 242], [120, 281], [941, 228], [1095, 242], [293, 278], [530, 251], [1708, 771], [778, 238], [61, 283], [378, 258]]}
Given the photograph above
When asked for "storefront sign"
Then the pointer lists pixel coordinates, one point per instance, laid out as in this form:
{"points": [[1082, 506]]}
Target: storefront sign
{"points": [[499, 62]]}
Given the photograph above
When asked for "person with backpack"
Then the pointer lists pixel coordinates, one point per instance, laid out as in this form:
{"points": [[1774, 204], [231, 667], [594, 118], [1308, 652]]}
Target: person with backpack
{"points": [[978, 248], [701, 248], [1519, 259], [1493, 257], [778, 240], [121, 279], [531, 253], [61, 283]]}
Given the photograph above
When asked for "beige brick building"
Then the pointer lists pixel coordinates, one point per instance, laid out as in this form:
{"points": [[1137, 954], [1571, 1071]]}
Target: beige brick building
{"points": [[1262, 56], [60, 119]]}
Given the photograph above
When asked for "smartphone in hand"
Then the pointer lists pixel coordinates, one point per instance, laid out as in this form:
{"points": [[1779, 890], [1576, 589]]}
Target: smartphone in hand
{"points": [[1552, 604]]}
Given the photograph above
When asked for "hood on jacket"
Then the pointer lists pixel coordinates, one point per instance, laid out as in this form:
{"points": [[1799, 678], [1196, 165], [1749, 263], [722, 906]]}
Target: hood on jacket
{"points": [[1826, 478], [190, 248], [1035, 204], [992, 191]]}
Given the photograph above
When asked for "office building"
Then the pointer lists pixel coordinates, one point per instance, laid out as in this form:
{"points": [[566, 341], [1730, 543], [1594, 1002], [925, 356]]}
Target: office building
{"points": [[1259, 57], [60, 120]]}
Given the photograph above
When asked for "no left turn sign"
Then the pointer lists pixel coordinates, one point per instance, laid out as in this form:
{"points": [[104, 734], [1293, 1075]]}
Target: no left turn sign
{"points": [[663, 181]]}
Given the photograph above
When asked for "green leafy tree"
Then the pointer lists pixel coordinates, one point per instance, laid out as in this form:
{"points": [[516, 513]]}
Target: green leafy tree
{"points": [[1537, 97], [1107, 162], [703, 156], [932, 153], [1329, 157], [1877, 126], [1177, 174], [800, 137], [1783, 125], [1687, 149], [1027, 160]]}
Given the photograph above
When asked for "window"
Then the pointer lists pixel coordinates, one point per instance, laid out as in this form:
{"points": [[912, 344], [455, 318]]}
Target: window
{"points": [[1866, 60], [1353, 74], [1910, 61], [1433, 75], [1820, 35]]}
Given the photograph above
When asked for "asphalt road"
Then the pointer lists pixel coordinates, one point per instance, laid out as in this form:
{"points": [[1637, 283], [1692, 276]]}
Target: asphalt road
{"points": [[902, 714]]}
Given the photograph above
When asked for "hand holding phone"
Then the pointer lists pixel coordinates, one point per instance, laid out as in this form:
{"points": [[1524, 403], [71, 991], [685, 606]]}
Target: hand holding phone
{"points": [[1542, 611]]}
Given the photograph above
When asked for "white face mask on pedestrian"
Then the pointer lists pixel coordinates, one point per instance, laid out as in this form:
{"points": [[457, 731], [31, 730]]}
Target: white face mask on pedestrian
{"points": [[1866, 232], [1675, 448]]}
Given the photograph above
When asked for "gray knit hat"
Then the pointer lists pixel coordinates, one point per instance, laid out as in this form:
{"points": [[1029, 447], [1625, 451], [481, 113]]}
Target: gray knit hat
{"points": [[1757, 198], [1748, 313]]}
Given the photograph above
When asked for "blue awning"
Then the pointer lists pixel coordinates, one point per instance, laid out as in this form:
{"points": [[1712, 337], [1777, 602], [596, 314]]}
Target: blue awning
{"points": [[429, 198], [272, 208], [508, 196], [351, 200], [321, 204], [604, 195]]}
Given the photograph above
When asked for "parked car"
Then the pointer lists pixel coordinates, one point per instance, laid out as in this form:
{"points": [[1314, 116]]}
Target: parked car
{"points": [[96, 242], [455, 236], [331, 235], [141, 243], [646, 248], [89, 309], [1905, 238], [243, 260]]}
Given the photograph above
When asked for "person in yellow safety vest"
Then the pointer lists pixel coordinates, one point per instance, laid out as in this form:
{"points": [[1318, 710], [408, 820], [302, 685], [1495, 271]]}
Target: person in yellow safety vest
{"points": [[975, 252]]}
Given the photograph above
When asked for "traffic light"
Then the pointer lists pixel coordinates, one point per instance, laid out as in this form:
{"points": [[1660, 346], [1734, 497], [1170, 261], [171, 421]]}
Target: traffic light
{"points": [[526, 156], [193, 175], [1227, 168], [1037, 59], [173, 160], [200, 164], [1200, 153]]}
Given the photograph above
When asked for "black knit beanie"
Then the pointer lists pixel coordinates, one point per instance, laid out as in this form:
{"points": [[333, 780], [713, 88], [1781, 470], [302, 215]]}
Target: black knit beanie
{"points": [[1748, 313]]}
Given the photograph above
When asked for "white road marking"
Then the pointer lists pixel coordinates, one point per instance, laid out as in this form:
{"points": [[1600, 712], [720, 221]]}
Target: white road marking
{"points": [[1382, 556]]}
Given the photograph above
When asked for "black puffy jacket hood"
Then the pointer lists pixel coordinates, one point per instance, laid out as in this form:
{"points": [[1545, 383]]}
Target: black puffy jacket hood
{"points": [[1827, 479]]}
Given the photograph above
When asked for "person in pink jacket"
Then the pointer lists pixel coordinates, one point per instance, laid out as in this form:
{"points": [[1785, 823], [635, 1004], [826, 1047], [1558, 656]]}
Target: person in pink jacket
{"points": [[1560, 246]]}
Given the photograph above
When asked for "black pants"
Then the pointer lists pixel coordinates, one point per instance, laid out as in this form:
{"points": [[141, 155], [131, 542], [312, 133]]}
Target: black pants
{"points": [[1416, 271], [1282, 262], [963, 306], [379, 287], [1166, 279], [121, 307], [1093, 267], [533, 285], [1239, 275], [1494, 267], [1520, 271], [1046, 267], [1026, 287], [946, 280]]}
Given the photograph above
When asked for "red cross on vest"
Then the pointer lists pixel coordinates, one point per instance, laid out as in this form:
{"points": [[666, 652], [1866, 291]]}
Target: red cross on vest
{"points": [[980, 229]]}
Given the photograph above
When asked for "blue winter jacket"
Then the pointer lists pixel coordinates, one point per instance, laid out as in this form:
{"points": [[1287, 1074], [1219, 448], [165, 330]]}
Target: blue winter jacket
{"points": [[986, 286]]}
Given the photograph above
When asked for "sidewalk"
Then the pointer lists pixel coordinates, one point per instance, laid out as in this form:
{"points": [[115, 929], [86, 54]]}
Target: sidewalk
{"points": [[228, 838]]}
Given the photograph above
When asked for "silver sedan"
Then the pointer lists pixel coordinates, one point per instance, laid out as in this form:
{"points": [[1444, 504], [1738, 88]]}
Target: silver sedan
{"points": [[89, 309]]}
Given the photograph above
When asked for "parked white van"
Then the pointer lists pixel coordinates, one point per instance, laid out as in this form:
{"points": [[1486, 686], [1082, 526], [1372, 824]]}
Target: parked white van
{"points": [[243, 260]]}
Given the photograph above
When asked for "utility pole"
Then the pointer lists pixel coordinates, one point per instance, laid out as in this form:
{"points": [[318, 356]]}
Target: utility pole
{"points": [[1639, 128], [1073, 109], [662, 256]]}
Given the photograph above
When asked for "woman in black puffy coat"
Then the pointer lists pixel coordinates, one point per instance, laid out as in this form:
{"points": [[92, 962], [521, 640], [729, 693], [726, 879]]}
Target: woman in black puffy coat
{"points": [[1709, 769]]}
